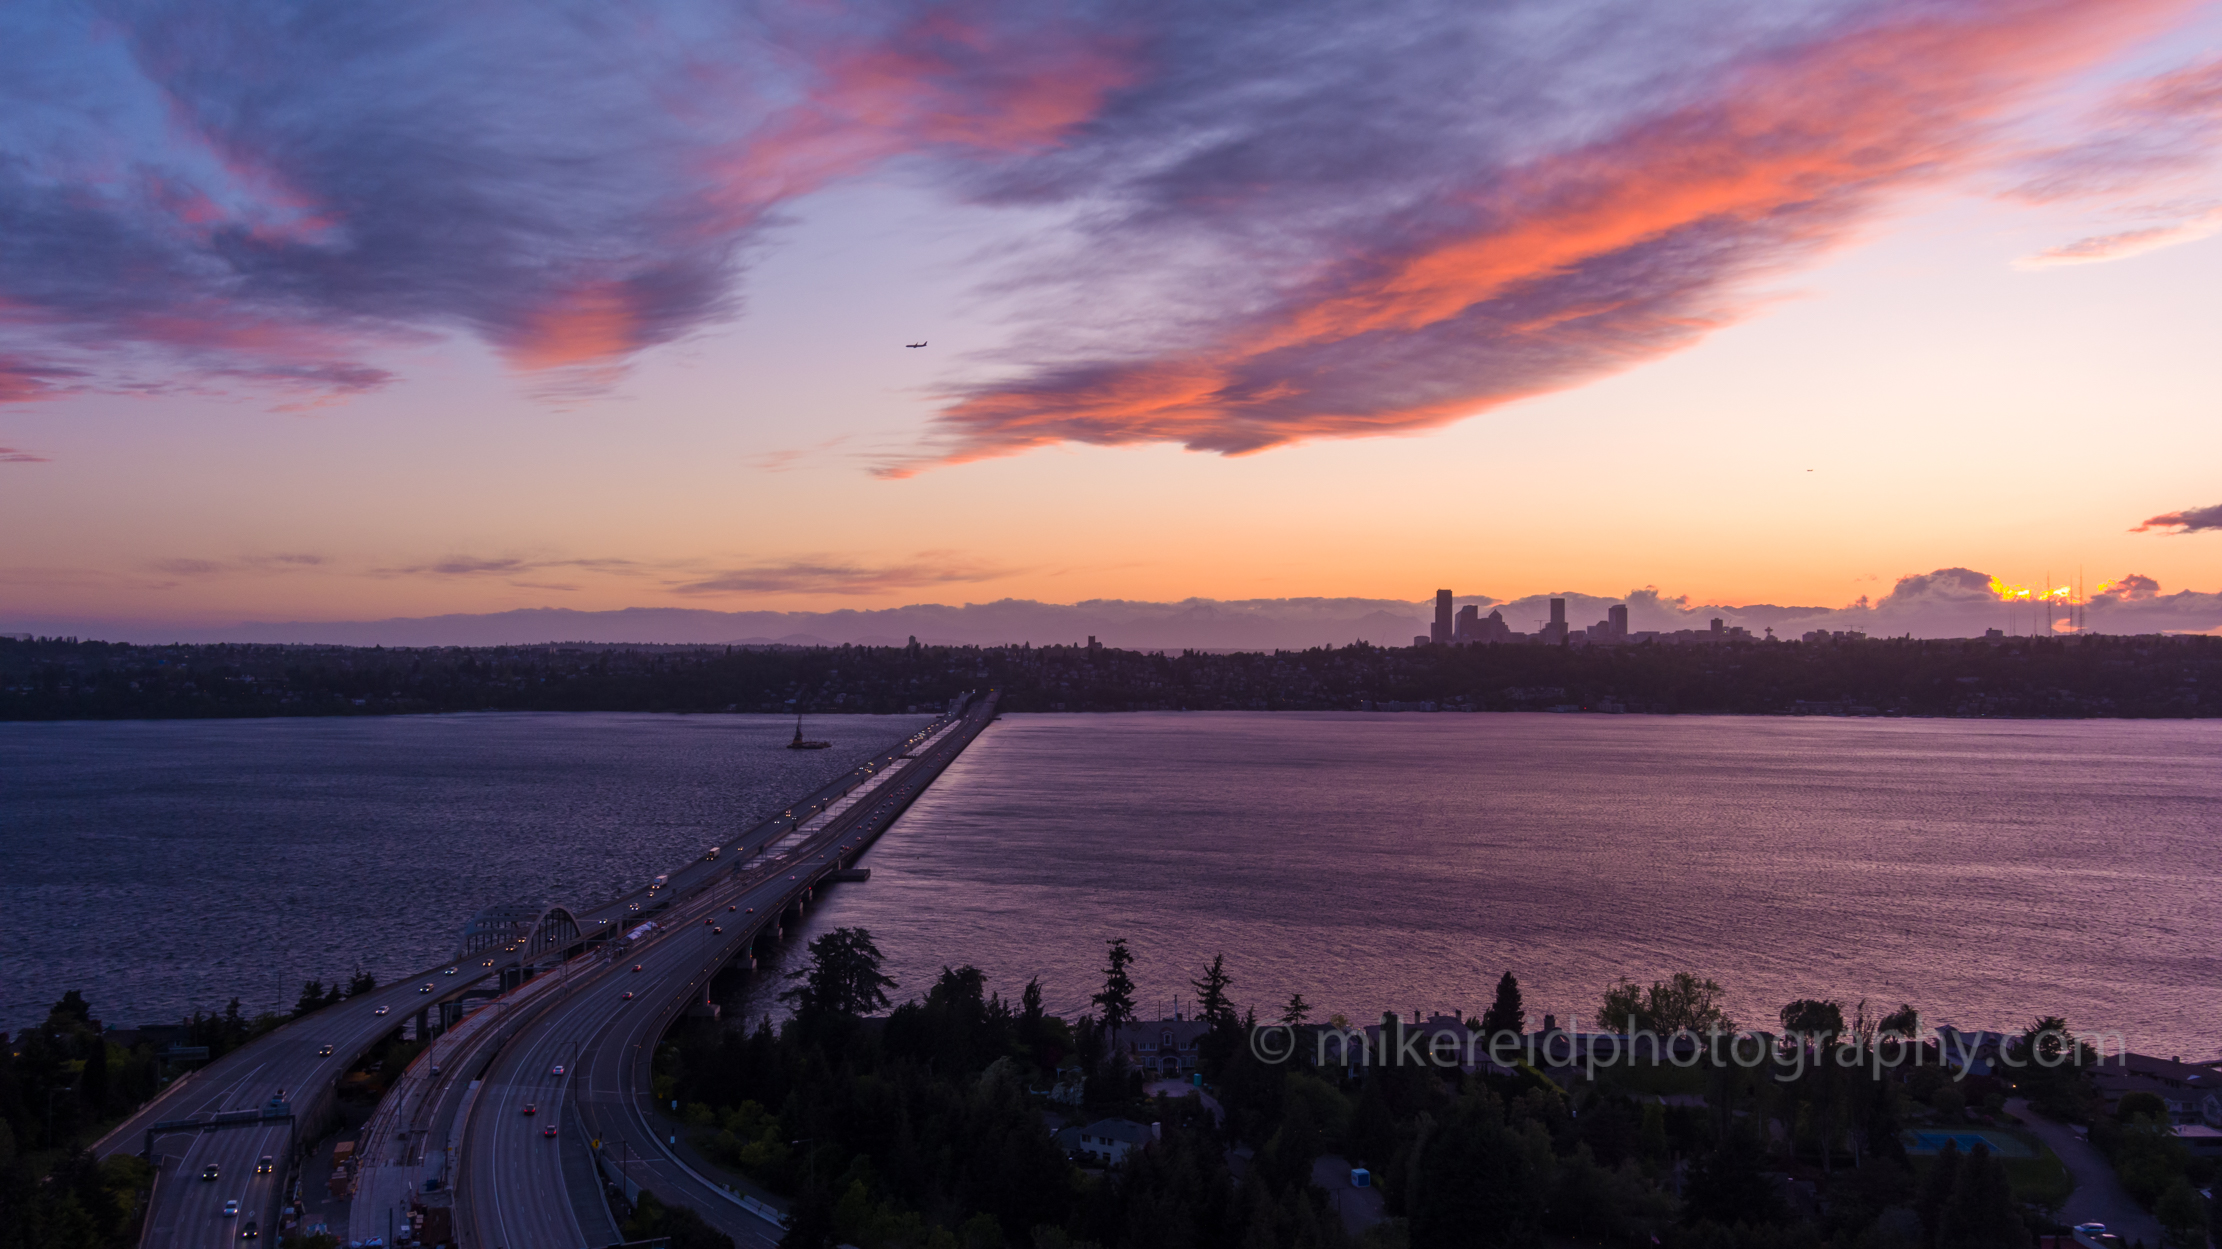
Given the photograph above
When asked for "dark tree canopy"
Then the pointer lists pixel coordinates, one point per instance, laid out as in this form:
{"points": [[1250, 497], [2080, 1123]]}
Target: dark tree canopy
{"points": [[843, 978], [1506, 1013], [1117, 999]]}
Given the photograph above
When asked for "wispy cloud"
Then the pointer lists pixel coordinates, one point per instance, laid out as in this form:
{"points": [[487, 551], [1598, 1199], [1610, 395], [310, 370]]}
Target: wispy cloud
{"points": [[928, 568], [2144, 135], [251, 196], [16, 455], [1381, 229], [2122, 244], [2190, 520], [1310, 222], [189, 568], [510, 566], [2147, 156], [781, 461]]}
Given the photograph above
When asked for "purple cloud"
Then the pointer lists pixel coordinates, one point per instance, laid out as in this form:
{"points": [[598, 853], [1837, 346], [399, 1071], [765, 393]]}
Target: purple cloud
{"points": [[263, 194], [2190, 520], [930, 568], [1315, 221]]}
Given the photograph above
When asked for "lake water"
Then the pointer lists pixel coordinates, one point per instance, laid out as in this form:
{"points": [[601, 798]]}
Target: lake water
{"points": [[166, 866], [1985, 871]]}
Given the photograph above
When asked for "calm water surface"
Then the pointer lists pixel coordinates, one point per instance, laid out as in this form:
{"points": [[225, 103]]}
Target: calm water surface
{"points": [[165, 866], [1985, 871]]}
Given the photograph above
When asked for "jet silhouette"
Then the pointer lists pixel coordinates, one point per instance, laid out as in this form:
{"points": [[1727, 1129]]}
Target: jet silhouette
{"points": [[914, 344]]}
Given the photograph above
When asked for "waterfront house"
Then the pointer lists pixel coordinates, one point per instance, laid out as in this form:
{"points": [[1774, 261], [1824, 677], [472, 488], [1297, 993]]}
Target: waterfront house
{"points": [[2191, 1091], [1164, 1046]]}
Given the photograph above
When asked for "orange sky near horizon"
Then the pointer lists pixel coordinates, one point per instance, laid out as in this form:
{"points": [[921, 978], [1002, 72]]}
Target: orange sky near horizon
{"points": [[1929, 390]]}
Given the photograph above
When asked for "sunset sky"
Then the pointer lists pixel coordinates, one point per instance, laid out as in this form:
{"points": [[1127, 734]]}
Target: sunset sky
{"points": [[351, 312]]}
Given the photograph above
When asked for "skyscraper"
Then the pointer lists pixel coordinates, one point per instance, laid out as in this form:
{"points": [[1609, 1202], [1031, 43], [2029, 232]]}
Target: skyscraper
{"points": [[1617, 616], [1440, 634], [1554, 633]]}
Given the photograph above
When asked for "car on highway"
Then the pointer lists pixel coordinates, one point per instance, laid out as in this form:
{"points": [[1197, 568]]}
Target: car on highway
{"points": [[210, 1172], [251, 1231], [634, 907], [556, 1070], [735, 907], [752, 910], [323, 1051], [705, 921], [636, 967], [548, 1131], [627, 997], [716, 931], [531, 1109], [265, 1165], [426, 989], [381, 1010], [231, 1208], [450, 971]]}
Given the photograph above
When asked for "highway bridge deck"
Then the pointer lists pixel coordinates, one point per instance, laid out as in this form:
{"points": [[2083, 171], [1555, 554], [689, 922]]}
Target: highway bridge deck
{"points": [[465, 1126]]}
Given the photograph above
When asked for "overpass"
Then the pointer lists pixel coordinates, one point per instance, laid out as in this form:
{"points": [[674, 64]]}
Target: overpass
{"points": [[428, 1125]]}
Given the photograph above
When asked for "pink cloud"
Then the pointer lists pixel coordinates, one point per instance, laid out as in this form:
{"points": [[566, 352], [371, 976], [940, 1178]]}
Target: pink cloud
{"points": [[1539, 276], [2190, 520]]}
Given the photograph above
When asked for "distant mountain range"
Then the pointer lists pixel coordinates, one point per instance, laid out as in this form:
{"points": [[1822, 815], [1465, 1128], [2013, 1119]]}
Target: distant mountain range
{"points": [[1950, 602]]}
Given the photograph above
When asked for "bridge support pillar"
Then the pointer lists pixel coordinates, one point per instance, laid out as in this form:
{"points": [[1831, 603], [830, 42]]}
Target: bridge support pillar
{"points": [[424, 1024]]}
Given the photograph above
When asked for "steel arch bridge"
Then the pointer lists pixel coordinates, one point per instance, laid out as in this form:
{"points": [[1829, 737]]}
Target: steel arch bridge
{"points": [[521, 928]]}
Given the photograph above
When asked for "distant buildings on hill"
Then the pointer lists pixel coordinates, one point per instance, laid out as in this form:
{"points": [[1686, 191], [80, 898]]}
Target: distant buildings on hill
{"points": [[1468, 627]]}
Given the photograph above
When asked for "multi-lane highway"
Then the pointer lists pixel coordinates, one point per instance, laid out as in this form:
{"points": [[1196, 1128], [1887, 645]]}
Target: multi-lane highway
{"points": [[291, 1063], [514, 1188]]}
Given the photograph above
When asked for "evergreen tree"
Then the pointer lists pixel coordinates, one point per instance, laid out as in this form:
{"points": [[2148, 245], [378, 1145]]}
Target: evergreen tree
{"points": [[93, 1086], [1980, 1213], [1473, 1184], [1296, 1011], [1936, 1192], [1506, 1014], [843, 979], [311, 999], [1212, 1005], [1729, 1186], [1117, 998], [1030, 1006]]}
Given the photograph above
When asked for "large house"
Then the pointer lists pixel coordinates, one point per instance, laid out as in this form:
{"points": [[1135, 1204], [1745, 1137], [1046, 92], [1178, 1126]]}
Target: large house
{"points": [[2191, 1091], [1106, 1142], [1164, 1046]]}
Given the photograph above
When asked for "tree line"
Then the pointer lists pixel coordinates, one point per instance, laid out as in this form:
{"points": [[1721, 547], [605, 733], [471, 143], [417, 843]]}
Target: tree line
{"points": [[2068, 677], [931, 1125]]}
